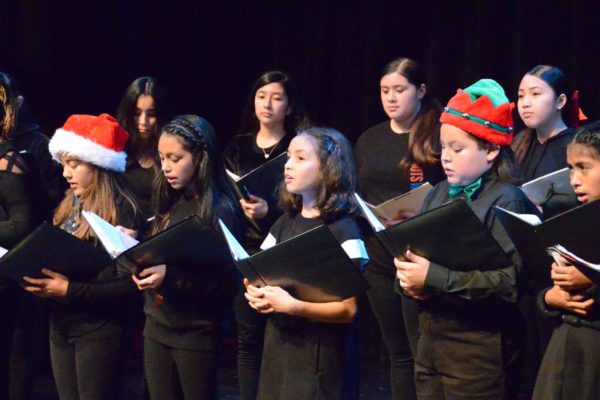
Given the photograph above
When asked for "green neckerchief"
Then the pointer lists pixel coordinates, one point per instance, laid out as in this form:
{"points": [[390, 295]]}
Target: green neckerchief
{"points": [[469, 190]]}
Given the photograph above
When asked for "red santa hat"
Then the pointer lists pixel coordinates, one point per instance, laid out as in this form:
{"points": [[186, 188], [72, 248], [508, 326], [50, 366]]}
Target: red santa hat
{"points": [[97, 140]]}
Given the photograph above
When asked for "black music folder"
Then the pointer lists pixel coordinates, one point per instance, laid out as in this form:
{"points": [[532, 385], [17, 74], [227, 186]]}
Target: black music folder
{"points": [[191, 242], [312, 266], [450, 235], [262, 181], [50, 247], [575, 229]]}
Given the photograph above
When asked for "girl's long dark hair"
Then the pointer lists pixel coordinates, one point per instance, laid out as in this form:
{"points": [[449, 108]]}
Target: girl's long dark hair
{"points": [[297, 118], [125, 115], [211, 186], [338, 176], [424, 139], [557, 80]]}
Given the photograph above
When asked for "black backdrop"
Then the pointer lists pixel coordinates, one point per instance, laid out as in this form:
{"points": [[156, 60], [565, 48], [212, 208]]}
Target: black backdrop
{"points": [[73, 57]]}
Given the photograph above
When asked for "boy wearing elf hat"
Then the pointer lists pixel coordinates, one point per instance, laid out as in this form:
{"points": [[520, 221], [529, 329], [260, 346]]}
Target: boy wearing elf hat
{"points": [[87, 323], [471, 327]]}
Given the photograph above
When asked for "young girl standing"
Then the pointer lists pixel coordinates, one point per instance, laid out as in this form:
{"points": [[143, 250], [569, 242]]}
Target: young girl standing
{"points": [[183, 307], [86, 320], [571, 364], [272, 115], [394, 157], [142, 112], [470, 324], [305, 342]]}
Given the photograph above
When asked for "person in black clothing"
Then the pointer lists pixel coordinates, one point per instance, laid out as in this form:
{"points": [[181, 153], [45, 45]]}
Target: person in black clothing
{"points": [[27, 138], [471, 327], [142, 111], [272, 115], [571, 364], [86, 317], [394, 157], [183, 307], [18, 216], [550, 113], [305, 342]]}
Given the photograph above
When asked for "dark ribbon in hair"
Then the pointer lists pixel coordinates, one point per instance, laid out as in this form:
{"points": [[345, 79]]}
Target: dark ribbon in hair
{"points": [[575, 112], [188, 131]]}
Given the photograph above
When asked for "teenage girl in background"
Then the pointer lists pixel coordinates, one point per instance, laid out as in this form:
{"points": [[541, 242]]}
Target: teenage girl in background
{"points": [[305, 342], [571, 364], [86, 320], [271, 117], [394, 157], [183, 307], [142, 111], [549, 110], [18, 216], [470, 324]]}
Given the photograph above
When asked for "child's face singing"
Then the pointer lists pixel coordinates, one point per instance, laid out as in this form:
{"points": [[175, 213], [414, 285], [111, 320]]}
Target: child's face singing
{"points": [[177, 164], [462, 159], [584, 163], [79, 174], [302, 170]]}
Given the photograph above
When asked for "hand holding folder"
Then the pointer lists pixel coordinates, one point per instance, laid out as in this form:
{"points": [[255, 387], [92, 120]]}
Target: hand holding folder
{"points": [[322, 274], [450, 235], [575, 229], [262, 181]]}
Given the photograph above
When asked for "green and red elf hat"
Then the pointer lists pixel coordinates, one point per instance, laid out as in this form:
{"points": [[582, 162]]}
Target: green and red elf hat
{"points": [[483, 110]]}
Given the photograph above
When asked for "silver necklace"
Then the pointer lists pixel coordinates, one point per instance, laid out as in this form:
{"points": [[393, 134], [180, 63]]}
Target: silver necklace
{"points": [[267, 155]]}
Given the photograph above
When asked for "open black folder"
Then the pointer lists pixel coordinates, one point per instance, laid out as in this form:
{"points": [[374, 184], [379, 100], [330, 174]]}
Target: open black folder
{"points": [[312, 266], [450, 235], [191, 242], [51, 247], [261, 181], [575, 229]]}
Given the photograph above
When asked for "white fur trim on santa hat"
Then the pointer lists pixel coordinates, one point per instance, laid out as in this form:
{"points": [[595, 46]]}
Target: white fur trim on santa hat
{"points": [[68, 143]]}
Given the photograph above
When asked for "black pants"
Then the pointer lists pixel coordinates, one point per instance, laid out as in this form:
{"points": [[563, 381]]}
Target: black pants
{"points": [[398, 319], [455, 361], [86, 367], [251, 336], [170, 371]]}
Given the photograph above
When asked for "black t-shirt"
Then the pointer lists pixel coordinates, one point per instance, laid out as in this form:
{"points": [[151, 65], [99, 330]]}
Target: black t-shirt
{"points": [[140, 181], [379, 151]]}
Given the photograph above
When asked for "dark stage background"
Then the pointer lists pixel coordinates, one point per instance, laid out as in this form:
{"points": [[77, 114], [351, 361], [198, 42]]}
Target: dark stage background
{"points": [[75, 58]]}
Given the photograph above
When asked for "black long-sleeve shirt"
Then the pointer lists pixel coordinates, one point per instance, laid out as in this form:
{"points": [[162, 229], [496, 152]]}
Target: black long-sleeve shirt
{"points": [[103, 299], [481, 294], [188, 315]]}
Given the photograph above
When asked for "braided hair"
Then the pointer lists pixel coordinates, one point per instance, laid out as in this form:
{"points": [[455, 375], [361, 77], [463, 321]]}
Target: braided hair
{"points": [[589, 136], [212, 189]]}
